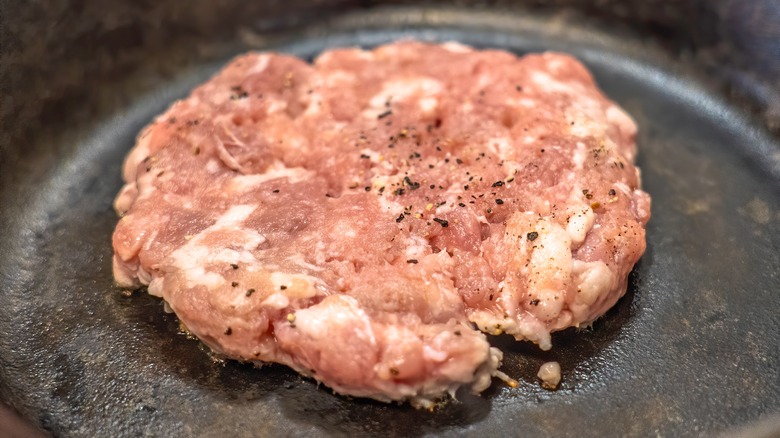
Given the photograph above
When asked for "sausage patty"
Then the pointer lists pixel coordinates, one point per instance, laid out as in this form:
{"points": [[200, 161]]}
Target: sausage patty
{"points": [[367, 218]]}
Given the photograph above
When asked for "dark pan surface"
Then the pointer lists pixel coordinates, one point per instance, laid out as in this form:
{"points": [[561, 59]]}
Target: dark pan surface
{"points": [[693, 348]]}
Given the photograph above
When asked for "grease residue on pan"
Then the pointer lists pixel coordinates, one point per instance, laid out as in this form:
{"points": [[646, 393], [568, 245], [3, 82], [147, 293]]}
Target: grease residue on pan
{"points": [[692, 349]]}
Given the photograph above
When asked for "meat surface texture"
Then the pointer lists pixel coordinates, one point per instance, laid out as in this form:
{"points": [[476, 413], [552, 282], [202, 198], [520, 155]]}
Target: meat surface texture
{"points": [[366, 219]]}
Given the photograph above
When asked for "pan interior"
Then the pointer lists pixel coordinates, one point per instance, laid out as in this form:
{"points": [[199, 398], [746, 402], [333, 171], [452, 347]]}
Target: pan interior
{"points": [[693, 348]]}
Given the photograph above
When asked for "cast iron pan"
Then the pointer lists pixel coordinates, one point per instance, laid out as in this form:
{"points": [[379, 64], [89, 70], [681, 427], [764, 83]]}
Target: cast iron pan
{"points": [[692, 349]]}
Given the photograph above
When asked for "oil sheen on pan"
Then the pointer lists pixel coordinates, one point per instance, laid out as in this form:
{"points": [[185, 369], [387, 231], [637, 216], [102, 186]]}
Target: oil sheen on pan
{"points": [[369, 219]]}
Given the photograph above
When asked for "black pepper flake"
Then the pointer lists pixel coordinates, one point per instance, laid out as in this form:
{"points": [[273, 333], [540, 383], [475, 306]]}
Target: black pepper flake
{"points": [[368, 189], [432, 186], [535, 302], [238, 92], [519, 88], [510, 180], [461, 204], [249, 292], [413, 185], [385, 114], [234, 284], [459, 161], [283, 287], [275, 191], [466, 187], [612, 192], [442, 222], [497, 184], [394, 371], [532, 235], [399, 192], [240, 95], [499, 201], [381, 190], [457, 332], [430, 166], [412, 261], [489, 211], [399, 218], [234, 266], [364, 156], [228, 331]]}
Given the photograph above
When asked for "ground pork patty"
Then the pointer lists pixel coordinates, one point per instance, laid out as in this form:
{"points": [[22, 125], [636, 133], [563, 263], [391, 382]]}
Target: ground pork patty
{"points": [[357, 217]]}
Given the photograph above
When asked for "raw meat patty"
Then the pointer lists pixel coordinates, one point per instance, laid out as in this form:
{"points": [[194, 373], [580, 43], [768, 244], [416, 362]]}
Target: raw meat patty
{"points": [[366, 218]]}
